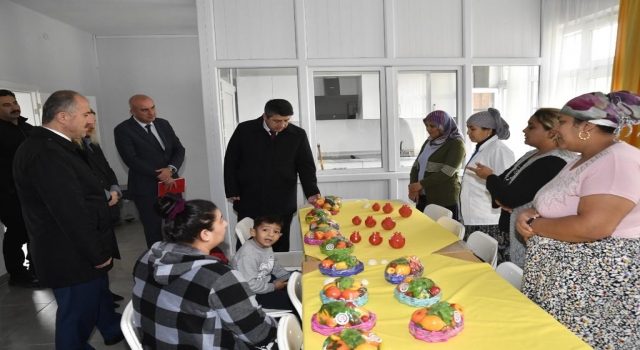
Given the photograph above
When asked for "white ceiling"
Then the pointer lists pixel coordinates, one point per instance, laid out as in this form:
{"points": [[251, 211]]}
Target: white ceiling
{"points": [[121, 17]]}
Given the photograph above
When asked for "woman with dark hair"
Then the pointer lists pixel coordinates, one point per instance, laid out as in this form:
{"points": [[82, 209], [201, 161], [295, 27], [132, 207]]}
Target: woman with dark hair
{"points": [[185, 298], [513, 190], [434, 175], [583, 250], [487, 129]]}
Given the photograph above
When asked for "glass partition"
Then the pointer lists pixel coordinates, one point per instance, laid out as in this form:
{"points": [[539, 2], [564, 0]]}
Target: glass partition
{"points": [[347, 115]]}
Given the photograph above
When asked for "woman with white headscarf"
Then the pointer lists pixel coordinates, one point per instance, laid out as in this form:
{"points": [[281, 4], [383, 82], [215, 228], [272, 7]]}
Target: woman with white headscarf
{"points": [[486, 129]]}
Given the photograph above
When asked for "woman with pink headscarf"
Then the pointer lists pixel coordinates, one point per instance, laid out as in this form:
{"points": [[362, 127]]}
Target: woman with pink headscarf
{"points": [[582, 262], [434, 175]]}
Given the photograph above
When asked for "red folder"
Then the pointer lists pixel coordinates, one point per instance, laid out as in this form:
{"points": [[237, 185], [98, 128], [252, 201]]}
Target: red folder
{"points": [[178, 189]]}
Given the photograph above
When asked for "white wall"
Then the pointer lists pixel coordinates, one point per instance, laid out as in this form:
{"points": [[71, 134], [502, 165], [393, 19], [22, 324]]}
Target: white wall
{"points": [[41, 51], [257, 86], [168, 70]]}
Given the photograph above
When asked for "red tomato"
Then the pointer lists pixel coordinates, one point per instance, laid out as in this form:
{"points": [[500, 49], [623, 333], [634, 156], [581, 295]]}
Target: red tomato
{"points": [[434, 290], [370, 222], [397, 241], [333, 292], [388, 208], [376, 207], [375, 238], [405, 211], [388, 223], [356, 220]]}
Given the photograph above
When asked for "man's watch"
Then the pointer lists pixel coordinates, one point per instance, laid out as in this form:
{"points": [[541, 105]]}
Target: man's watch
{"points": [[173, 169]]}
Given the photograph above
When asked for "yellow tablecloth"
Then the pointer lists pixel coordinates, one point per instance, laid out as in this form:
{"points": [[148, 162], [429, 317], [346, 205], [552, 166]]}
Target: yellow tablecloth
{"points": [[497, 316], [423, 235]]}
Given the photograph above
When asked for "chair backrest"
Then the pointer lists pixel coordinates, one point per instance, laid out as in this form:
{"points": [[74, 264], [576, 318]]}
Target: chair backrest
{"points": [[289, 333], [294, 289], [484, 246], [452, 226], [511, 272], [129, 328], [243, 229], [435, 212]]}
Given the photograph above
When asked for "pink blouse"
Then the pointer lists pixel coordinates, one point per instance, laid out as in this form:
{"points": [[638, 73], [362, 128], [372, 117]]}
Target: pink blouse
{"points": [[616, 171]]}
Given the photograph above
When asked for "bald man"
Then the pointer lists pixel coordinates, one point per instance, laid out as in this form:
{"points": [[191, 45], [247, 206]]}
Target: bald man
{"points": [[152, 151]]}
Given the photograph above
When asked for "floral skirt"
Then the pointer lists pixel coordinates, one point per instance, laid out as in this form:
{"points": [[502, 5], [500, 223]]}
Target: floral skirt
{"points": [[591, 288], [493, 231]]}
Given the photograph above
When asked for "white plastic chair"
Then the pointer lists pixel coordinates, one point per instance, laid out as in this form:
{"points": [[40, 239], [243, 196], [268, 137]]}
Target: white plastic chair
{"points": [[294, 289], [435, 212], [129, 328], [511, 272], [289, 333], [243, 229], [484, 246], [452, 226]]}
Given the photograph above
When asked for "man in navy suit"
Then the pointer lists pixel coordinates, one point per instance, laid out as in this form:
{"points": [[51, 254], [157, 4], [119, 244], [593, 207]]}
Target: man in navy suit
{"points": [[153, 153]]}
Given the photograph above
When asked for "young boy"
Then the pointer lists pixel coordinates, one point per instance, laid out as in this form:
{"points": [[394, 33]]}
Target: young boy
{"points": [[258, 264]]}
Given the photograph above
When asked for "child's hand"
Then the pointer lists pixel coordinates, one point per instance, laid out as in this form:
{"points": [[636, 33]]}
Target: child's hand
{"points": [[280, 284]]}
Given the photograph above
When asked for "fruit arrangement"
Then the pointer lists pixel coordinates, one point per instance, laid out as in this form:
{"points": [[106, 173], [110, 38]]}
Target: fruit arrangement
{"points": [[337, 244], [323, 223], [345, 289], [438, 322], [319, 215], [335, 316], [419, 292], [320, 234], [399, 269], [330, 203], [352, 339], [340, 265]]}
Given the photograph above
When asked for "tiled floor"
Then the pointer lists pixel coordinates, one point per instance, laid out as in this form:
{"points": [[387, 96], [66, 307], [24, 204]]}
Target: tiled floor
{"points": [[27, 316]]}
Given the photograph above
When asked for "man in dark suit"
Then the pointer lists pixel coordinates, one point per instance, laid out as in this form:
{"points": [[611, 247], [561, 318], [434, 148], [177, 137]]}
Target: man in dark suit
{"points": [[67, 218], [14, 129], [264, 158], [153, 153]]}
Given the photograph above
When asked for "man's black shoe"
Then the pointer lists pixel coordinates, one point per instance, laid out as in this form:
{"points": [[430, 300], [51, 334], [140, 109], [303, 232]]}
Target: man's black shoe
{"points": [[116, 297], [114, 341], [23, 279]]}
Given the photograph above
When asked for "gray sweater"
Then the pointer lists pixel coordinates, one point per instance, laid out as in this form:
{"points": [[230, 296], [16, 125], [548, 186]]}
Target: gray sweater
{"points": [[257, 265]]}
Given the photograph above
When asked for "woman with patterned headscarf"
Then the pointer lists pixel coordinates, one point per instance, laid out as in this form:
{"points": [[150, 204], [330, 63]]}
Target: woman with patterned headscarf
{"points": [[434, 177], [583, 251], [486, 129]]}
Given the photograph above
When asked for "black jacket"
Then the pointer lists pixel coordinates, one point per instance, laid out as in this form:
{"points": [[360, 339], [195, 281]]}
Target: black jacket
{"points": [[64, 208], [144, 156], [11, 137], [264, 172]]}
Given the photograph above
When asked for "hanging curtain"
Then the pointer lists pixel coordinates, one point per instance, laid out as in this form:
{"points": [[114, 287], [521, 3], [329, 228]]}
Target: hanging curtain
{"points": [[626, 66], [578, 48]]}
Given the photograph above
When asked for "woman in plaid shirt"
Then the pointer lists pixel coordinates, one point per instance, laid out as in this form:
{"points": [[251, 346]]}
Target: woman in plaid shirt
{"points": [[186, 299]]}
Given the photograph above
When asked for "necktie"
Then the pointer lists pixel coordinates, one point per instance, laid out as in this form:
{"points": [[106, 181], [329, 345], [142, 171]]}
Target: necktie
{"points": [[148, 127], [273, 134]]}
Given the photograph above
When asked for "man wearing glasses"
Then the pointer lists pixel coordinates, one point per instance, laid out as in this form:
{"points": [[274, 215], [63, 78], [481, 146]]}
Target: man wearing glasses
{"points": [[262, 163]]}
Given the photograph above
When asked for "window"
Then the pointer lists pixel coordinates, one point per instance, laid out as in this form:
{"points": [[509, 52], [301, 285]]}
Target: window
{"points": [[513, 90], [420, 93], [346, 107], [244, 92]]}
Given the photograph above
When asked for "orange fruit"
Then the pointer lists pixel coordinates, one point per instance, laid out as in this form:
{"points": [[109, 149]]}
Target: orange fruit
{"points": [[327, 263], [403, 270], [333, 292], [418, 315], [432, 323], [365, 346]]}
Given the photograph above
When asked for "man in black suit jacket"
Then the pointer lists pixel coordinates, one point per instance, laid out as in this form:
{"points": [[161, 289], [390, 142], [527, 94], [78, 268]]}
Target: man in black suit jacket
{"points": [[153, 153], [262, 163], [14, 129], [67, 219]]}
